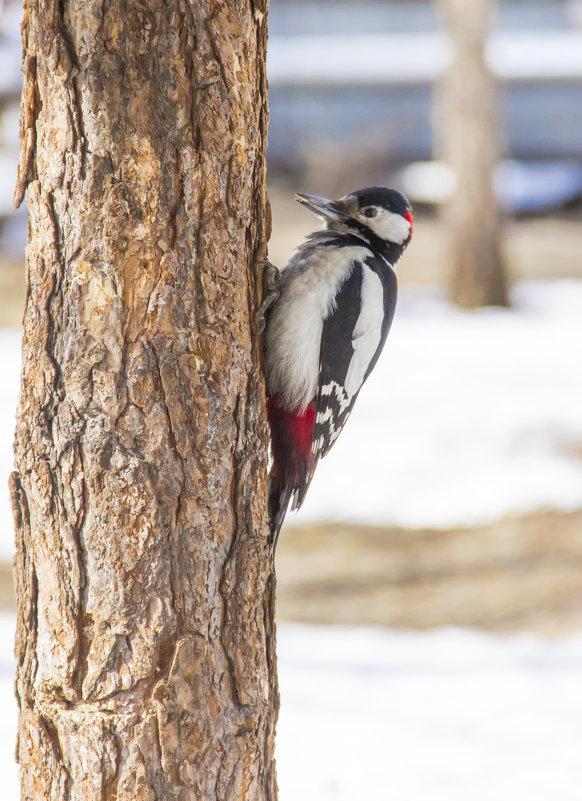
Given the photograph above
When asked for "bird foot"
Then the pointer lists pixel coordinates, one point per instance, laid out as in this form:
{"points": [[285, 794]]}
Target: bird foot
{"points": [[271, 281]]}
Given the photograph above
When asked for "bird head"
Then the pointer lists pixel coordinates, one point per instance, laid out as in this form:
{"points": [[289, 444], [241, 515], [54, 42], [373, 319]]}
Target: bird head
{"points": [[381, 216]]}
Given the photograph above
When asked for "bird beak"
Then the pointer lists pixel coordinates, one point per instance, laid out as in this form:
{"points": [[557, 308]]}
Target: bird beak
{"points": [[327, 209]]}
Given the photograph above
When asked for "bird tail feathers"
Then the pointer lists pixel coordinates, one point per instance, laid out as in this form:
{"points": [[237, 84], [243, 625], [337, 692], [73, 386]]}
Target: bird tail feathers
{"points": [[292, 460]]}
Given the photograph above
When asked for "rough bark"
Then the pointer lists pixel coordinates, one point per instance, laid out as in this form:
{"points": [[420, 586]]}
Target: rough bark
{"points": [[145, 637], [468, 139]]}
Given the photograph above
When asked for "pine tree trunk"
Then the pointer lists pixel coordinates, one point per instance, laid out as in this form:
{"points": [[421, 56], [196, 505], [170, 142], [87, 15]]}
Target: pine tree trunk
{"points": [[145, 637], [467, 138]]}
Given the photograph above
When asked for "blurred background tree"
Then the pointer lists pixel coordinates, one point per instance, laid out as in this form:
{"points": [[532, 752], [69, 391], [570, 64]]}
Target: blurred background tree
{"points": [[467, 139]]}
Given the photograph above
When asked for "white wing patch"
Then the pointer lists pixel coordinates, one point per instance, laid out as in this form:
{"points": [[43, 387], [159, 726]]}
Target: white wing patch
{"points": [[368, 330], [333, 417]]}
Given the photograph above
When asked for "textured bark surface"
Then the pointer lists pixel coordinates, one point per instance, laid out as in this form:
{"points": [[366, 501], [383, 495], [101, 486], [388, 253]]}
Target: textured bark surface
{"points": [[145, 638], [468, 139]]}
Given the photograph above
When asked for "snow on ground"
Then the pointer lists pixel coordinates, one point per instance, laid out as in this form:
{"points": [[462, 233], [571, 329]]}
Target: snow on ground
{"points": [[449, 714], [446, 715], [468, 416]]}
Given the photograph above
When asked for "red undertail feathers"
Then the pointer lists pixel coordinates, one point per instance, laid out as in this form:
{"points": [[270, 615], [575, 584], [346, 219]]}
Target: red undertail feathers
{"points": [[291, 434]]}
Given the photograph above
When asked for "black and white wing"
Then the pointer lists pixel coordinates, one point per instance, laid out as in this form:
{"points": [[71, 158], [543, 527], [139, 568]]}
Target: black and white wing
{"points": [[352, 339]]}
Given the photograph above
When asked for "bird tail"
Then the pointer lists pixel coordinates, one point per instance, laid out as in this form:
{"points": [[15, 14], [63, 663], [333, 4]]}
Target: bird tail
{"points": [[291, 432], [279, 497]]}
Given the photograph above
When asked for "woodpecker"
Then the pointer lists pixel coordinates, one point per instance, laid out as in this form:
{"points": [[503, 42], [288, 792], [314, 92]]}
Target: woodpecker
{"points": [[329, 314]]}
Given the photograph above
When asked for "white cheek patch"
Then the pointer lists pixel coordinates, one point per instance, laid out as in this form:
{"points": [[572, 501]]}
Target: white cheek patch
{"points": [[390, 226]]}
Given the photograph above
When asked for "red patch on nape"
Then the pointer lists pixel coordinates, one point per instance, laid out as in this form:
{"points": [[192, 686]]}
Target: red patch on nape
{"points": [[291, 433], [408, 216]]}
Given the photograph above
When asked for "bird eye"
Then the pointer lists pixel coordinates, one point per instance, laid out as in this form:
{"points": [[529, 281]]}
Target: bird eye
{"points": [[371, 211]]}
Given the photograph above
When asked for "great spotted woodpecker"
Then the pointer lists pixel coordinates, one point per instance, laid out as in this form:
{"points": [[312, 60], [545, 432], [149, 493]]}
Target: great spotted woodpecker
{"points": [[331, 311]]}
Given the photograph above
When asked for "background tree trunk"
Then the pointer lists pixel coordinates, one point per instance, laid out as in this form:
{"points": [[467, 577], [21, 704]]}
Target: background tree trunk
{"points": [[145, 638], [467, 138]]}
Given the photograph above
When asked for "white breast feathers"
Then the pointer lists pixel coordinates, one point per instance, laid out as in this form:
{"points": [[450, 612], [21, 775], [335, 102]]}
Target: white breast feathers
{"points": [[309, 285]]}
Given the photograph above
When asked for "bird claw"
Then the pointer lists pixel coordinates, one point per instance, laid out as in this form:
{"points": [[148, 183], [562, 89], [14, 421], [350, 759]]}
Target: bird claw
{"points": [[271, 280], [260, 324]]}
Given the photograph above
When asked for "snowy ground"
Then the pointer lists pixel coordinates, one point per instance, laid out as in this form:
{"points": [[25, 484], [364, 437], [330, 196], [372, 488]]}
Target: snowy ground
{"points": [[451, 714], [372, 714], [468, 416]]}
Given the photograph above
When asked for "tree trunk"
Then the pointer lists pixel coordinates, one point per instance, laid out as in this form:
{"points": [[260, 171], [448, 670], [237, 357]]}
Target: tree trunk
{"points": [[467, 138], [145, 637]]}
